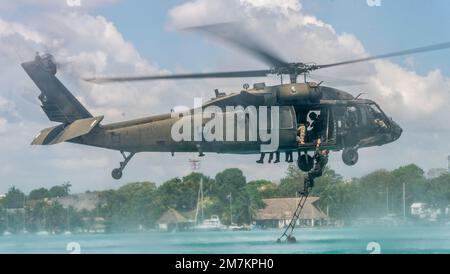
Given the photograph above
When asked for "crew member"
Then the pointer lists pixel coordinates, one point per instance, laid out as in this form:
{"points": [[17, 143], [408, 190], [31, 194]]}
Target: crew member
{"points": [[277, 157], [289, 157], [320, 162], [301, 134], [261, 159], [318, 127]]}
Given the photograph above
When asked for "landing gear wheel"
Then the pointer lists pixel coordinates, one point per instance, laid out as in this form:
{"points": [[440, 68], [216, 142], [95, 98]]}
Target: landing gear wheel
{"points": [[305, 163], [350, 156], [116, 173]]}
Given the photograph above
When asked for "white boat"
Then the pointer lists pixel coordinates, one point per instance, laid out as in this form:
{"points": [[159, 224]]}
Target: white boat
{"points": [[212, 224], [7, 233], [43, 233], [235, 227]]}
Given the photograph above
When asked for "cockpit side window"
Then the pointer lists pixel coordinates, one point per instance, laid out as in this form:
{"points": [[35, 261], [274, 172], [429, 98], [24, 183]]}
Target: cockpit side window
{"points": [[378, 117], [375, 111]]}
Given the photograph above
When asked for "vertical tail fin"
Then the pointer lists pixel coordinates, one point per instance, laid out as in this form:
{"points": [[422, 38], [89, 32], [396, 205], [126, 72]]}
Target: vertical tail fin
{"points": [[57, 102]]}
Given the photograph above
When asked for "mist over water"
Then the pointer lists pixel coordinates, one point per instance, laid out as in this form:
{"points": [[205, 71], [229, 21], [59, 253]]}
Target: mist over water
{"points": [[351, 240]]}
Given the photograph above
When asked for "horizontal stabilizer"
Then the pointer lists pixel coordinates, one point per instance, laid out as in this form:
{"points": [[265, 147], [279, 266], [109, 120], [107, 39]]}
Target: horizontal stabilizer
{"points": [[62, 133]]}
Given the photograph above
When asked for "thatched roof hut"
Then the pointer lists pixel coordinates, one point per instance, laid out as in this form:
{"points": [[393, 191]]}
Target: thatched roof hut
{"points": [[173, 220], [284, 208], [172, 216]]}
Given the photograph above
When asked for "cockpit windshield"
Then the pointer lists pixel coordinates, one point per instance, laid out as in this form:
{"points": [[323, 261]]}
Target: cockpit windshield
{"points": [[375, 111], [377, 117]]}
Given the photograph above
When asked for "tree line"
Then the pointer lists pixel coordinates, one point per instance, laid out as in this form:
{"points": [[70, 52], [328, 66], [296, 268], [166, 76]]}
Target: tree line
{"points": [[139, 205]]}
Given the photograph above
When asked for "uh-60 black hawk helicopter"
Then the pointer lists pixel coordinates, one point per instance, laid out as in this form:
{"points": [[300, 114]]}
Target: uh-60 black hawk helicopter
{"points": [[340, 120]]}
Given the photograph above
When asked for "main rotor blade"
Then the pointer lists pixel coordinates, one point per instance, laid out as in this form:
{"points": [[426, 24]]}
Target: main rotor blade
{"points": [[335, 81], [234, 34], [231, 74], [394, 54]]}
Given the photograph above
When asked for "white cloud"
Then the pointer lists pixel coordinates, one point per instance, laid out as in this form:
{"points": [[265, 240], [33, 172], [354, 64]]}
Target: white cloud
{"points": [[3, 125]]}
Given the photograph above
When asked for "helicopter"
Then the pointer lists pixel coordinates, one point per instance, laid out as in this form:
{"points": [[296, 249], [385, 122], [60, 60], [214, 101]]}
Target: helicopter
{"points": [[340, 120]]}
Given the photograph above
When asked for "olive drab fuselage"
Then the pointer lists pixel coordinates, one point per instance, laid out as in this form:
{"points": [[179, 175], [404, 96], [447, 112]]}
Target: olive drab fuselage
{"points": [[294, 100]]}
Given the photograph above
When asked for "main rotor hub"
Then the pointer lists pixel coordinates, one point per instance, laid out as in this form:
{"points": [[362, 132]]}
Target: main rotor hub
{"points": [[294, 70]]}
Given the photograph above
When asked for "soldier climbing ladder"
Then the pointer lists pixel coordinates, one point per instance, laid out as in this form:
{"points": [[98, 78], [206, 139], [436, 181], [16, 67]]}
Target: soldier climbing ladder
{"points": [[321, 160], [287, 234]]}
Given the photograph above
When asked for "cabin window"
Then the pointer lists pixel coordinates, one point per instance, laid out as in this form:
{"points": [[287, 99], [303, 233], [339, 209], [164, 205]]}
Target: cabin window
{"points": [[286, 118]]}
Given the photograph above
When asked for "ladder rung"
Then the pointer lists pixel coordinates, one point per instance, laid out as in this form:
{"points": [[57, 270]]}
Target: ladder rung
{"points": [[295, 217]]}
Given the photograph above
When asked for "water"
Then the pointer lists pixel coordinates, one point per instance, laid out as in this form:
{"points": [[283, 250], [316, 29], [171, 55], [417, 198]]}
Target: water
{"points": [[423, 239]]}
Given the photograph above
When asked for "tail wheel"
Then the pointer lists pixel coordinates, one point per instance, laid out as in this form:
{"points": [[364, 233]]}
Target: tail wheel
{"points": [[350, 156], [305, 163]]}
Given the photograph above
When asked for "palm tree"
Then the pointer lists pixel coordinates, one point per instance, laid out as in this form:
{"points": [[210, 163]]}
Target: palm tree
{"points": [[67, 186]]}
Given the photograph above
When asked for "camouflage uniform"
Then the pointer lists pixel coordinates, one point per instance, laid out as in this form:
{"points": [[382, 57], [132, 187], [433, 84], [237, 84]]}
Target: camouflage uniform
{"points": [[321, 162]]}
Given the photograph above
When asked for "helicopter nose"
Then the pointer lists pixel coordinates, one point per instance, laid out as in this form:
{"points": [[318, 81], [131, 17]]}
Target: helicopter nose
{"points": [[396, 131]]}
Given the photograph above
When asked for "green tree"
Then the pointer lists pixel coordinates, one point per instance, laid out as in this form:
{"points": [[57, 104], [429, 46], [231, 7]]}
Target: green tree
{"points": [[231, 183], [67, 186], [438, 191], [415, 183], [56, 217], [131, 206], [38, 194], [37, 216], [373, 192], [57, 191], [2, 219], [259, 190], [292, 183], [14, 199]]}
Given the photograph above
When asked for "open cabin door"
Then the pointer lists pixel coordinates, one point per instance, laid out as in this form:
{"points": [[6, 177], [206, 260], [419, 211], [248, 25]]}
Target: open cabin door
{"points": [[317, 122]]}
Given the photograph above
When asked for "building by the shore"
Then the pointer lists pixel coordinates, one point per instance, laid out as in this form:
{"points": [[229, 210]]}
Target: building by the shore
{"points": [[278, 213], [173, 220]]}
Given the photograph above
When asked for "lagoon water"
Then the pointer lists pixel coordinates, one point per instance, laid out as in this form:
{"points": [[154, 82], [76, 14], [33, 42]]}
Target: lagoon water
{"points": [[417, 239]]}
